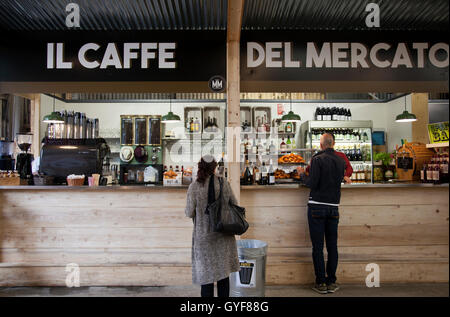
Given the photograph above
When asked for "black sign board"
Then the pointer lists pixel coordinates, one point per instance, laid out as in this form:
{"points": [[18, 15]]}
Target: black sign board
{"points": [[112, 56], [343, 56], [405, 163]]}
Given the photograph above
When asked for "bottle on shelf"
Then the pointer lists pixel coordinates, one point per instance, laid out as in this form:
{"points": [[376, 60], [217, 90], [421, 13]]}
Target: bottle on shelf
{"points": [[248, 179], [430, 173], [293, 144], [316, 114], [445, 176], [334, 114], [256, 174], [288, 144], [423, 174], [272, 148], [283, 146], [254, 148], [368, 174], [271, 174], [349, 115], [263, 180], [436, 174], [289, 127]]}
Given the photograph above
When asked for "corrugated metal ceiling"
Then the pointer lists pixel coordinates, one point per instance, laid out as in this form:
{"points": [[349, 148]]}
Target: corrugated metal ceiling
{"points": [[115, 14], [344, 14], [212, 14]]}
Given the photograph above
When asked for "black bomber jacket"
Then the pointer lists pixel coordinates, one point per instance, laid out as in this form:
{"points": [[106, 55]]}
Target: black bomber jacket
{"points": [[325, 176]]}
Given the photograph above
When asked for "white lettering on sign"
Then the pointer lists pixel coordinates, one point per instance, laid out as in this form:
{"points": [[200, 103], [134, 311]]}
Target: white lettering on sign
{"points": [[374, 57], [373, 18], [346, 55], [318, 59], [82, 55], [164, 53], [432, 55], [73, 18]]}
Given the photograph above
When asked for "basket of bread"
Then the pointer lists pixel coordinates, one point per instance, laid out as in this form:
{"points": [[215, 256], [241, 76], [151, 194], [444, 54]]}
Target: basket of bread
{"points": [[291, 158]]}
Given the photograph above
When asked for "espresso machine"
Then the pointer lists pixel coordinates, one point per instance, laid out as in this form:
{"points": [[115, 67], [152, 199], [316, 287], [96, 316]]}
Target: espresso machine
{"points": [[24, 159]]}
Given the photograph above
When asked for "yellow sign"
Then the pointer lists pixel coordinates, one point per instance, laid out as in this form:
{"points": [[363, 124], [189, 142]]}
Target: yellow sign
{"points": [[438, 132]]}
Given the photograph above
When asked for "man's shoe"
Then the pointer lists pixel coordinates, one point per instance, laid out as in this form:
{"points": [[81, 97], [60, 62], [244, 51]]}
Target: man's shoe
{"points": [[321, 288], [333, 287]]}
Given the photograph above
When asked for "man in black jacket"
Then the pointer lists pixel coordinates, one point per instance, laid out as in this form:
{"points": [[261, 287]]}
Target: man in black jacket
{"points": [[325, 176]]}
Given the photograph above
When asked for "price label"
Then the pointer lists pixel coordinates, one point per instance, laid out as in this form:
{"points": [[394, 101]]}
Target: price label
{"points": [[438, 132]]}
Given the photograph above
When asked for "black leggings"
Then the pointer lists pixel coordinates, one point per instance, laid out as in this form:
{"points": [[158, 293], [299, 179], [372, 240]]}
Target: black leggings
{"points": [[223, 288]]}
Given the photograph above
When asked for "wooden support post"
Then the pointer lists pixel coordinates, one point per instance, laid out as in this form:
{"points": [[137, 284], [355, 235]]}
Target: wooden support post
{"points": [[35, 115], [234, 22], [419, 106]]}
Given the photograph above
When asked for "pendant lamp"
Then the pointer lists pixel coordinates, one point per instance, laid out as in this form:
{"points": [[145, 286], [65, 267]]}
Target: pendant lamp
{"points": [[406, 116], [54, 117], [170, 117], [291, 116]]}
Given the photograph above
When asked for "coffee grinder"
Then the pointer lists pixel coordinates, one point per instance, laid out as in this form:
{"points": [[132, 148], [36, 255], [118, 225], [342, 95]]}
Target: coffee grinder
{"points": [[24, 159]]}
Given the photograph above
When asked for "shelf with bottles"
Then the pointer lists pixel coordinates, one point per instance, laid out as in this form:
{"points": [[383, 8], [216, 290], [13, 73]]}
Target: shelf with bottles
{"points": [[332, 114]]}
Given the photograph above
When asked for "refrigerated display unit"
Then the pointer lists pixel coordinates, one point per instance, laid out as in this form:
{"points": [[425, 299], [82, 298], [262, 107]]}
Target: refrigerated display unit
{"points": [[353, 138]]}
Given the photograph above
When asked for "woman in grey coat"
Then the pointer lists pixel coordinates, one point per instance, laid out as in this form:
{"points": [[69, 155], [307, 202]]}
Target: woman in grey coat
{"points": [[214, 254]]}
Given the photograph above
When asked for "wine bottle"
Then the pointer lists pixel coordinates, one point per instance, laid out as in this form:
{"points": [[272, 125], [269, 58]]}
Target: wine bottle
{"points": [[248, 179], [263, 180], [271, 174]]}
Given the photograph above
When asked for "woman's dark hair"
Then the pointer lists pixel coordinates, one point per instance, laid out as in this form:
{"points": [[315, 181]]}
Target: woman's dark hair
{"points": [[206, 167]]}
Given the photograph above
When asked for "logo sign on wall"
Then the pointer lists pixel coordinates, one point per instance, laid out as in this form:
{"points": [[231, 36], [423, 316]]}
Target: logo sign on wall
{"points": [[113, 56], [217, 84]]}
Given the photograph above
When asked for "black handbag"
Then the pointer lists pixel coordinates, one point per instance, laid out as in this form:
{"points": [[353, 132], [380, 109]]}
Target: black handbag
{"points": [[226, 217]]}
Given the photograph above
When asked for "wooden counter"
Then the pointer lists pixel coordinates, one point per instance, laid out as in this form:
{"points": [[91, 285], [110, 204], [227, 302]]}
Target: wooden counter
{"points": [[140, 236]]}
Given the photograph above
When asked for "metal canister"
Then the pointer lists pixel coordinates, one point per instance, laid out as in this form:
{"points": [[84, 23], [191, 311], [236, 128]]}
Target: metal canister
{"points": [[88, 128], [83, 126], [69, 125], [95, 128], [76, 125]]}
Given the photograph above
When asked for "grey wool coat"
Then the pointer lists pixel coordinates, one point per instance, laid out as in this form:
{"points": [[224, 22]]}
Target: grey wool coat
{"points": [[214, 254]]}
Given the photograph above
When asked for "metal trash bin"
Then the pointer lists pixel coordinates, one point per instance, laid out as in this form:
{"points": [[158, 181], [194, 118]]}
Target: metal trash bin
{"points": [[250, 281]]}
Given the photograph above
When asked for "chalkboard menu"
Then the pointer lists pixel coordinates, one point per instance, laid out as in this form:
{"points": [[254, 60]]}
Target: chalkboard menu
{"points": [[405, 163]]}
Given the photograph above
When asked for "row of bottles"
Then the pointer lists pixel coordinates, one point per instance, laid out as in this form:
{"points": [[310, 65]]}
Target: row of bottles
{"points": [[356, 152], [436, 170], [332, 114], [193, 125], [263, 147], [263, 175], [341, 134], [211, 125], [262, 126], [361, 173]]}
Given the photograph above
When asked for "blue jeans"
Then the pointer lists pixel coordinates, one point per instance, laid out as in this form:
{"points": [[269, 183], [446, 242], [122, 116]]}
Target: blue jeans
{"points": [[323, 222]]}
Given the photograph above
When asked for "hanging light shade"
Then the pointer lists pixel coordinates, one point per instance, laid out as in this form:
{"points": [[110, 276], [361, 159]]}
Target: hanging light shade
{"points": [[406, 116], [170, 117], [54, 117], [291, 116]]}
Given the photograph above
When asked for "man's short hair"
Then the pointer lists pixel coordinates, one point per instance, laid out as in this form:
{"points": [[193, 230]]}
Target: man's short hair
{"points": [[327, 140]]}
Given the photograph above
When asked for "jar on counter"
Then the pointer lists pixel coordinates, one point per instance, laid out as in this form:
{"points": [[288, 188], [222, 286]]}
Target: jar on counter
{"points": [[140, 176], [378, 173]]}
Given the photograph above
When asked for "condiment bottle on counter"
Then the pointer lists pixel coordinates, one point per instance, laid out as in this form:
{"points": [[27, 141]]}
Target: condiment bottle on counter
{"points": [[423, 174]]}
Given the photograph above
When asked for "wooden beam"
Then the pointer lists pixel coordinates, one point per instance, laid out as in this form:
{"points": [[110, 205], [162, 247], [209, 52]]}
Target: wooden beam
{"points": [[419, 106], [35, 123], [234, 22]]}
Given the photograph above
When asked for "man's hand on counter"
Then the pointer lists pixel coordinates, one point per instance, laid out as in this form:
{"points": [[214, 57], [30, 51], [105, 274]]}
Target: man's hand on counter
{"points": [[347, 180]]}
